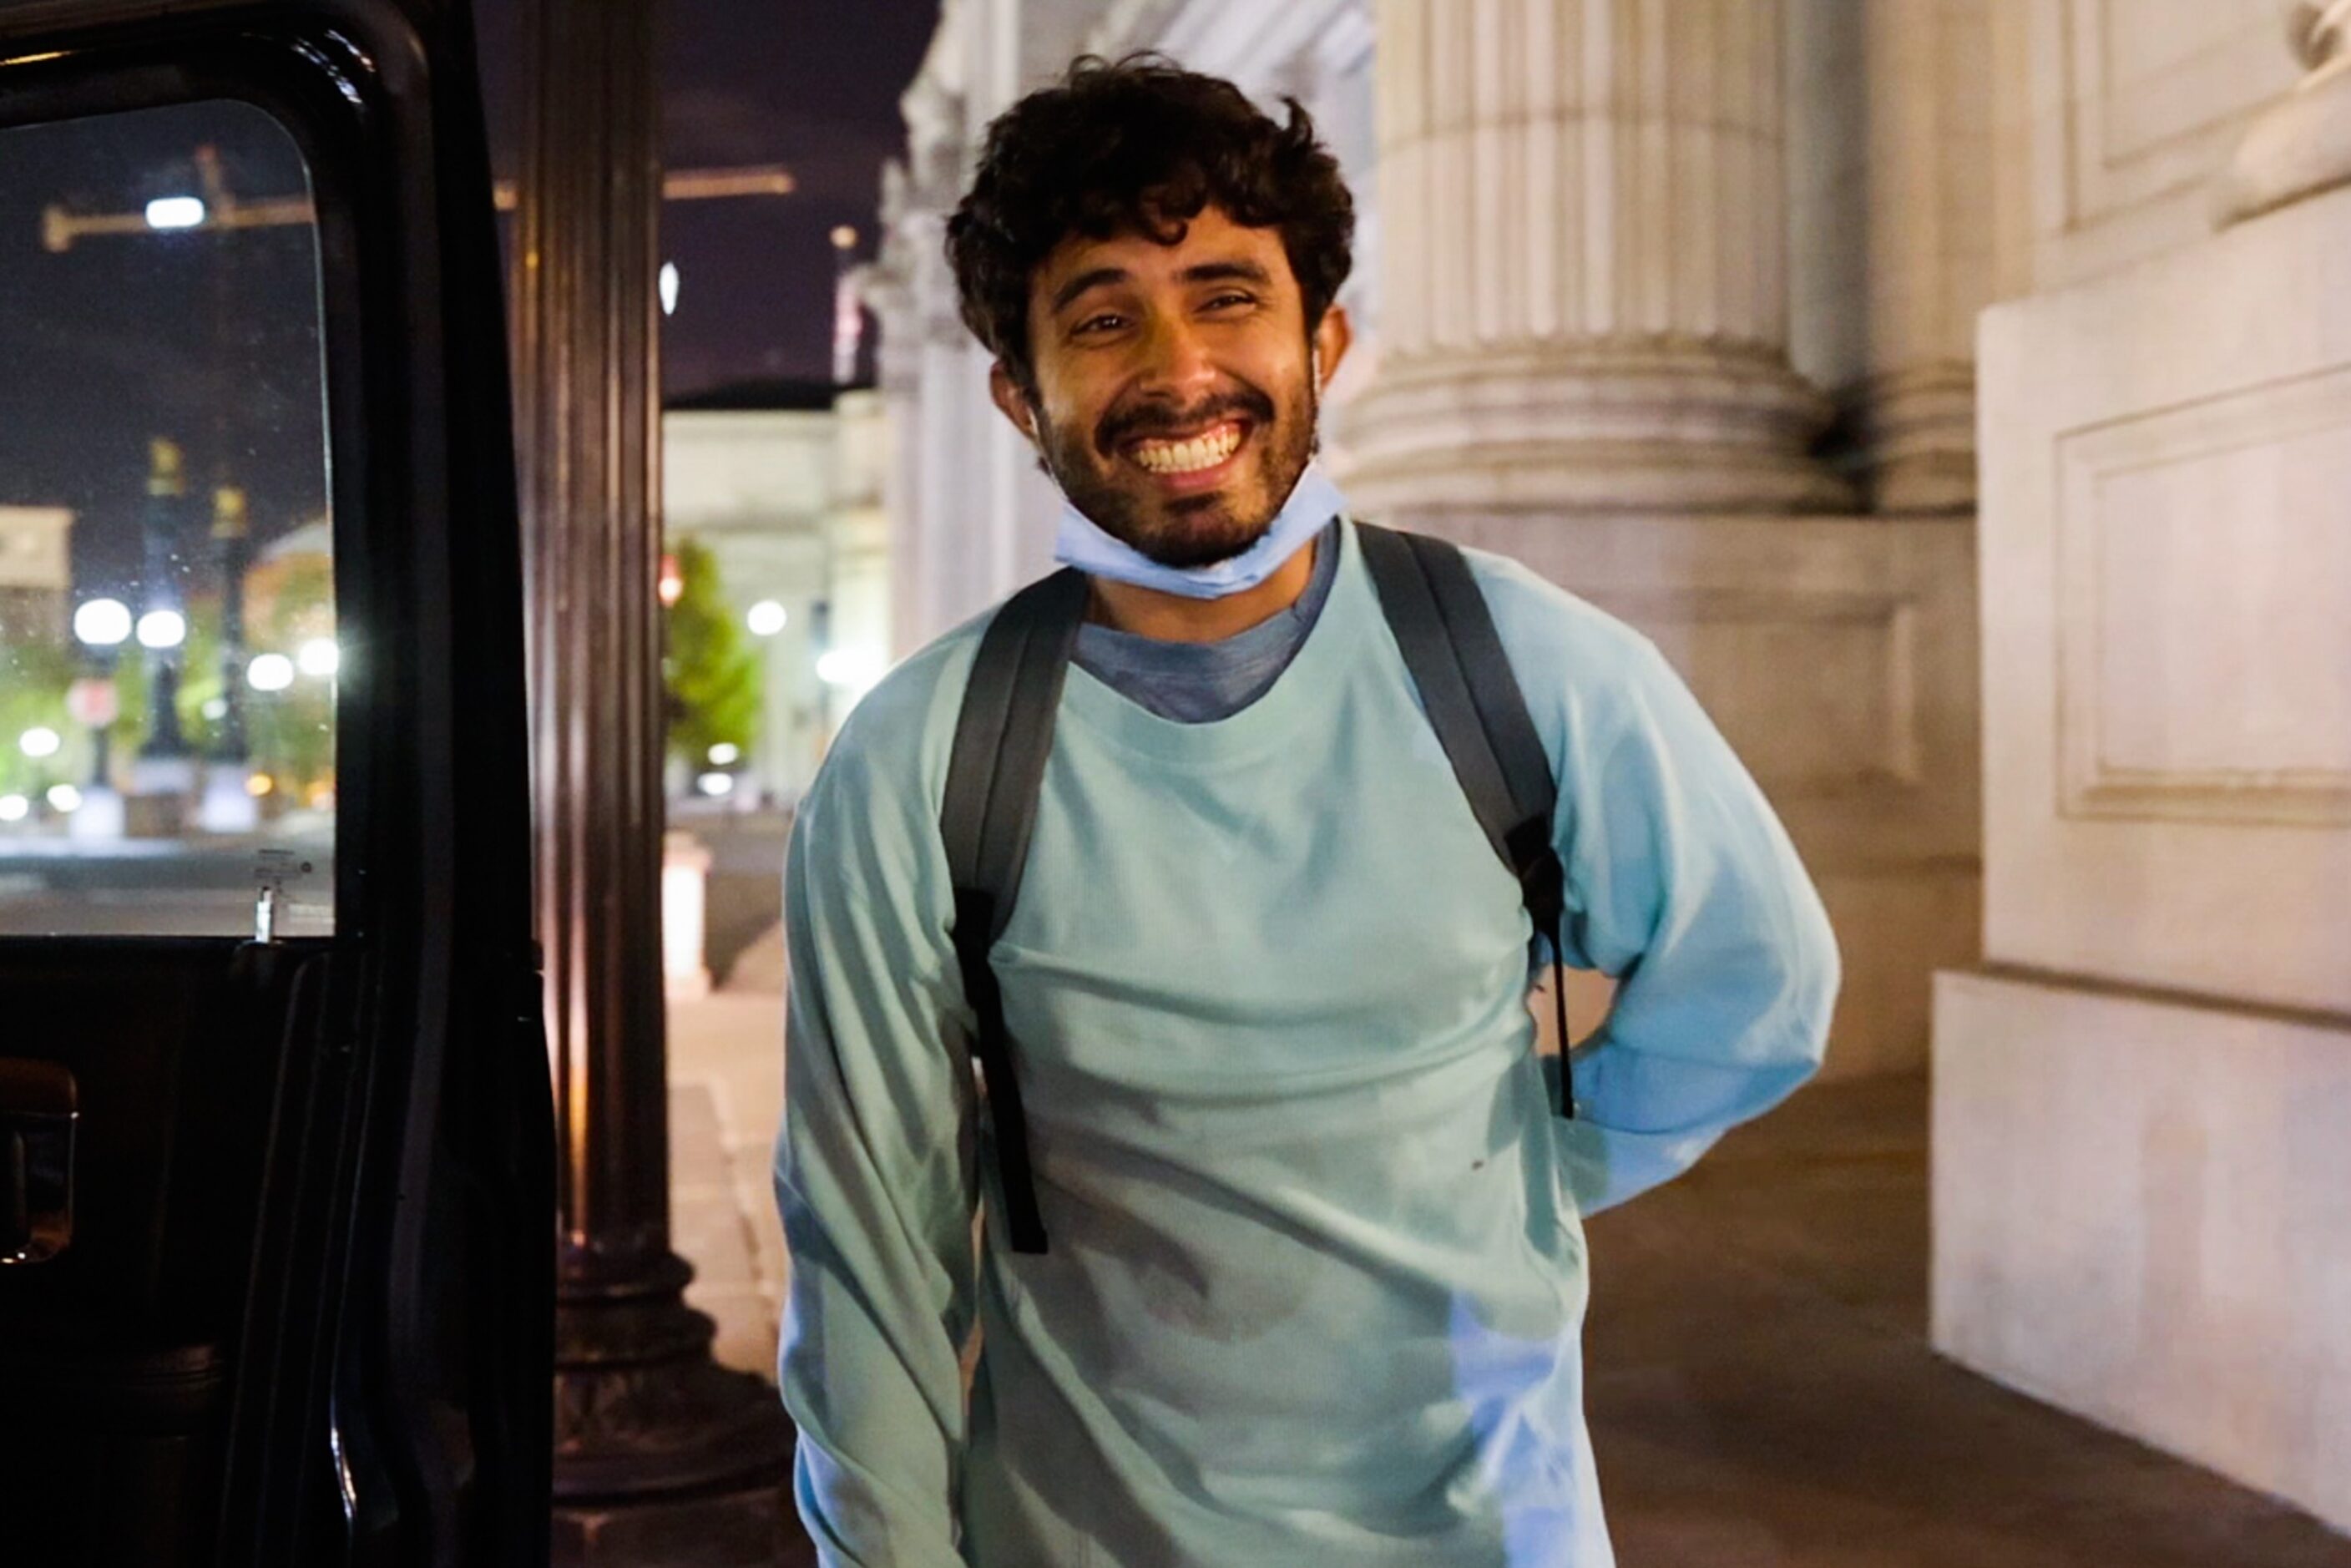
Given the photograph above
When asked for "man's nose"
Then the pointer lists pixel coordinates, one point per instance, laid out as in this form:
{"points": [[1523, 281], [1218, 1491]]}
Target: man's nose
{"points": [[1177, 361]]}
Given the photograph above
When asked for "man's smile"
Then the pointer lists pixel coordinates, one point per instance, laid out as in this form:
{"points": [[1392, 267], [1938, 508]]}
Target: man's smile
{"points": [[1187, 462]]}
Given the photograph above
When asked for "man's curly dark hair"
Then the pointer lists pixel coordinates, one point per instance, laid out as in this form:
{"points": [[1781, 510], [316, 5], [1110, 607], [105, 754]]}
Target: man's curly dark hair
{"points": [[1138, 146]]}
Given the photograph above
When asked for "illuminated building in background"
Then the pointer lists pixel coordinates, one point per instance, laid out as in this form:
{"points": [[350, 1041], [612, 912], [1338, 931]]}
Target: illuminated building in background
{"points": [[36, 570], [782, 482]]}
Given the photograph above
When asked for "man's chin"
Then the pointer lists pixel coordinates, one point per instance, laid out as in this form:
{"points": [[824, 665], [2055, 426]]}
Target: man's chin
{"points": [[1183, 532], [1190, 556], [1200, 531]]}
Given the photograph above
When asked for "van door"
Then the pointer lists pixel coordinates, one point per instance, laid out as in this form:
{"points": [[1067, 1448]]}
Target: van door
{"points": [[275, 1147]]}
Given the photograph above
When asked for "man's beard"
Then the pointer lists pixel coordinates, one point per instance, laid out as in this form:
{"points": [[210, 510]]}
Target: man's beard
{"points": [[1192, 531]]}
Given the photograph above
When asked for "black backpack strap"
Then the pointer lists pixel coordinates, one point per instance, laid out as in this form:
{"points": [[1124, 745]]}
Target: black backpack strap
{"points": [[1445, 632], [1003, 735]]}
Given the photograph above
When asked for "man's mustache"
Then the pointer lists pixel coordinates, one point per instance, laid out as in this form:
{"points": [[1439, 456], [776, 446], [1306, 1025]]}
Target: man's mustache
{"points": [[1122, 426]]}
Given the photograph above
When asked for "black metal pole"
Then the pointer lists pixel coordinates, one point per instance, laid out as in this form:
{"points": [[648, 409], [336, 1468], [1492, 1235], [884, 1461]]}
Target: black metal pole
{"points": [[231, 545], [661, 1455], [160, 587]]}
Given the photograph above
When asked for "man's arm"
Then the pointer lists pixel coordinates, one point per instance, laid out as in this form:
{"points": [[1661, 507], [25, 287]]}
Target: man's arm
{"points": [[874, 1179], [1682, 885]]}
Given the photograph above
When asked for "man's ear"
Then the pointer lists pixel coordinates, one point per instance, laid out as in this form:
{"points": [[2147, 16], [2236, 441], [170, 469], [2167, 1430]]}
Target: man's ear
{"points": [[1333, 336], [1011, 401]]}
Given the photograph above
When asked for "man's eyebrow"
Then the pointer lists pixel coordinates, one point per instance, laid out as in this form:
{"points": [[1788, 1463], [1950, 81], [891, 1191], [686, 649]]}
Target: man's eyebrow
{"points": [[1228, 272], [1083, 281]]}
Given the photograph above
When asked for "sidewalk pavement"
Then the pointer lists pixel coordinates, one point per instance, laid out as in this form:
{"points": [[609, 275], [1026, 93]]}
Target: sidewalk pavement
{"points": [[726, 1100], [1759, 1382]]}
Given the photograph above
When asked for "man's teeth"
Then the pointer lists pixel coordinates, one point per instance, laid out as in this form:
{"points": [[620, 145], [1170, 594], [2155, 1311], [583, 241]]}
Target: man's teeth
{"points": [[1189, 457]]}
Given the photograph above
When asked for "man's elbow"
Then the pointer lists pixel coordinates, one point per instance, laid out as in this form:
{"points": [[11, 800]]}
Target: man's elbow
{"points": [[1812, 972]]}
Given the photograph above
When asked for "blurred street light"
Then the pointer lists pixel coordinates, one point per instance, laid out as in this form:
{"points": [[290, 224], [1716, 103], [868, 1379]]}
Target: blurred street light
{"points": [[669, 281], [848, 667], [319, 656], [175, 213], [39, 741], [162, 629], [102, 622], [65, 797], [767, 617], [270, 672], [13, 808], [725, 754]]}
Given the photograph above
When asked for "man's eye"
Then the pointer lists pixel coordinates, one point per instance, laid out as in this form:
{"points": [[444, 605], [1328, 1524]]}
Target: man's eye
{"points": [[1097, 324], [1224, 301]]}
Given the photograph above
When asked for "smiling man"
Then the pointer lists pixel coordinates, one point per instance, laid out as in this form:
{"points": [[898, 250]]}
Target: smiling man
{"points": [[1315, 1281]]}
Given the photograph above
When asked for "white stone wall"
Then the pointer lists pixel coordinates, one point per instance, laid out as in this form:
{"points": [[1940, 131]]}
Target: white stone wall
{"points": [[2142, 1140], [2111, 119]]}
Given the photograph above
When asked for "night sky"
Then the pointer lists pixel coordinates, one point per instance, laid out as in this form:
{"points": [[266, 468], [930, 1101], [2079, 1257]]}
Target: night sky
{"points": [[814, 86], [811, 85], [122, 338]]}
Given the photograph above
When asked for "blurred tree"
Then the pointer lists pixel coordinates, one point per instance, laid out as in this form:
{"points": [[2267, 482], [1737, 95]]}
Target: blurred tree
{"points": [[292, 733], [34, 675], [712, 673]]}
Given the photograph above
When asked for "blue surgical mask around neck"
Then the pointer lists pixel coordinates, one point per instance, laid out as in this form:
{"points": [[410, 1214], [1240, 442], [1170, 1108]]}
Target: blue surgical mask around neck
{"points": [[1312, 503]]}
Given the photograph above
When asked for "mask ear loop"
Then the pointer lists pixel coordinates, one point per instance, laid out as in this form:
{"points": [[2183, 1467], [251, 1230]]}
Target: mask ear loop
{"points": [[1314, 392]]}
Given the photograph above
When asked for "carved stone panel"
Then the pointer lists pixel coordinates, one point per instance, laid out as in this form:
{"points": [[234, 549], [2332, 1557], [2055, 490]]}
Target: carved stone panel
{"points": [[2165, 557], [1816, 690], [2204, 647]]}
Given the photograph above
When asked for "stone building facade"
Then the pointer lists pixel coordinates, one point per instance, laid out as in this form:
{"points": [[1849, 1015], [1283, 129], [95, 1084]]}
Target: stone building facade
{"points": [[784, 484], [1679, 301]]}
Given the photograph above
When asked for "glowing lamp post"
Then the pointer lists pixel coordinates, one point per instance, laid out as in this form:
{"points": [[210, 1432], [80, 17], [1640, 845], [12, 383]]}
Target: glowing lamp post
{"points": [[163, 774]]}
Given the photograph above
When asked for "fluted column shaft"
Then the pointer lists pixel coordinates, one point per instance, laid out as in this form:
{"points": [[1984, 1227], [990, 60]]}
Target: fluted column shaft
{"points": [[587, 360], [1584, 294], [1927, 239], [660, 1453]]}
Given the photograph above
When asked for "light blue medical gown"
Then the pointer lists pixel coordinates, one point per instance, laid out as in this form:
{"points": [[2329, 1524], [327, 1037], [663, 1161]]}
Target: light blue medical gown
{"points": [[1317, 1272]]}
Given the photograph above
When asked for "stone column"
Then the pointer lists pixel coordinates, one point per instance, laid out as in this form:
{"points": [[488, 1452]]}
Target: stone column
{"points": [[941, 521], [1582, 362], [888, 292], [1927, 233], [659, 1452], [1585, 297]]}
